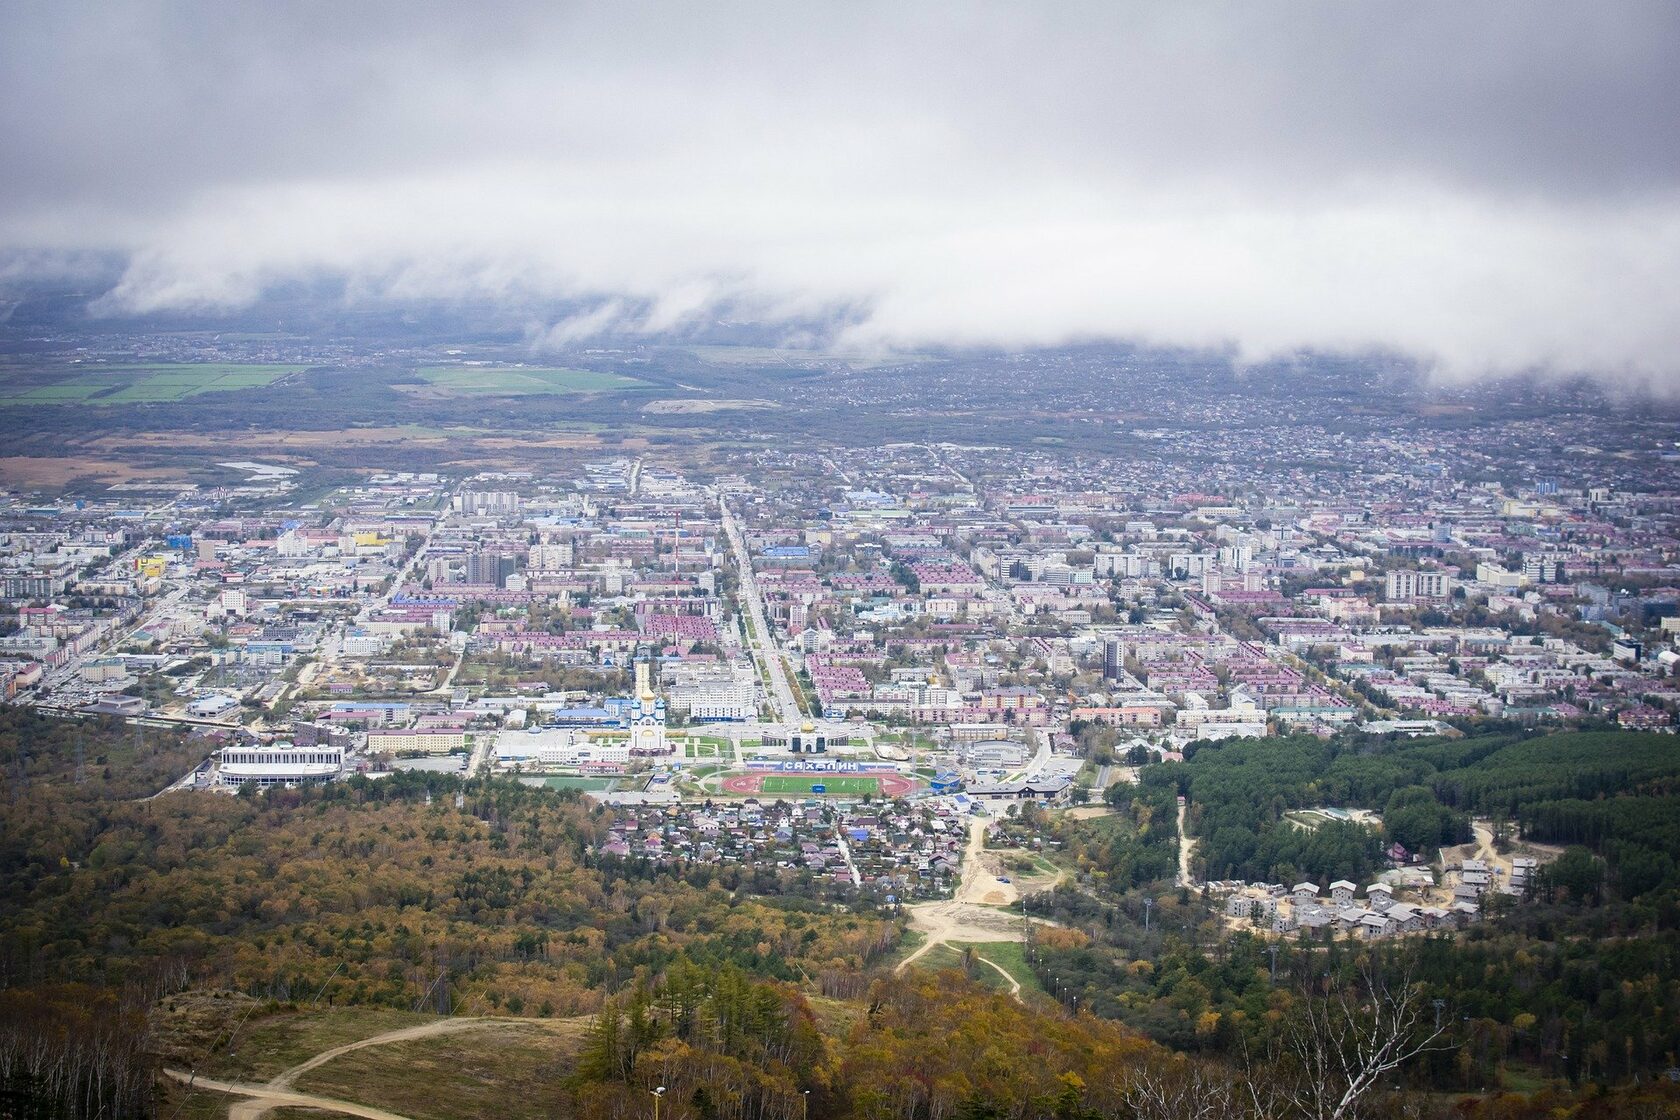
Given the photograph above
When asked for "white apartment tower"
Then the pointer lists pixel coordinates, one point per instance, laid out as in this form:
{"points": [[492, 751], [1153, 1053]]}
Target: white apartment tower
{"points": [[1406, 585]]}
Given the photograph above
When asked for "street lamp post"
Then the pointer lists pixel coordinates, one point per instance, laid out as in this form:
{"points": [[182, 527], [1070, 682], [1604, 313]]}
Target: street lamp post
{"points": [[805, 1106], [658, 1095]]}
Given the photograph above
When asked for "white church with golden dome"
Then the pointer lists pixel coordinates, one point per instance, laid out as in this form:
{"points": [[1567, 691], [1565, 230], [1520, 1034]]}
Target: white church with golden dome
{"points": [[647, 718]]}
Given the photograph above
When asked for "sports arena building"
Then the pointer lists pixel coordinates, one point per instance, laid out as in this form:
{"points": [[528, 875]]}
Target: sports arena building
{"points": [[279, 764]]}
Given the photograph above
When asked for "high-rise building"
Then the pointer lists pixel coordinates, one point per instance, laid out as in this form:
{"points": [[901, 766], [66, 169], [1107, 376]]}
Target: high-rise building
{"points": [[551, 556], [487, 501], [1540, 568], [1114, 659], [490, 568], [1407, 584]]}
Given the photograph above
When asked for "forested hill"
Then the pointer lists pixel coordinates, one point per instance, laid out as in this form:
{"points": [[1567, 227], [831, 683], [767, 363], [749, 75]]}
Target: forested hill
{"points": [[96, 758], [1613, 792], [368, 891], [425, 894], [1580, 981]]}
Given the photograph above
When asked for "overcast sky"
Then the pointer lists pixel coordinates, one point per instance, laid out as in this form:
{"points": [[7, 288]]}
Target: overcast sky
{"points": [[1490, 187]]}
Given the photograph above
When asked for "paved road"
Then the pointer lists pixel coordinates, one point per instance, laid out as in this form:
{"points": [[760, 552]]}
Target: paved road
{"points": [[185, 781], [967, 483], [482, 746], [401, 577], [448, 685], [764, 651], [54, 679], [1035, 768]]}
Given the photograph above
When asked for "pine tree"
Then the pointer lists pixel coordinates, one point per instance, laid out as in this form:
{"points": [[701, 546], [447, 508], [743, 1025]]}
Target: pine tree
{"points": [[601, 1055]]}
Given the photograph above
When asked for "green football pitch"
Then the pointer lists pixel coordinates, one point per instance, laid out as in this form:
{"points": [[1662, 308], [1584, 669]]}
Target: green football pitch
{"points": [[850, 785], [561, 781]]}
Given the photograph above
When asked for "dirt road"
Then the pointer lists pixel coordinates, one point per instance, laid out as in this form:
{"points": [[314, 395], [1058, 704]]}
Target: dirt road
{"points": [[1014, 984], [1185, 847], [970, 915], [260, 1098], [1480, 847], [408, 1034], [278, 1091], [979, 885], [1484, 843]]}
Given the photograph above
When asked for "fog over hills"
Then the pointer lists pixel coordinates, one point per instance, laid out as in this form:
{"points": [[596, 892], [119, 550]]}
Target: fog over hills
{"points": [[1491, 190]]}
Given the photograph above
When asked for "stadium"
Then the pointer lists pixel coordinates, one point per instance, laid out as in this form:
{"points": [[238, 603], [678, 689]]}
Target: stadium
{"points": [[781, 783]]}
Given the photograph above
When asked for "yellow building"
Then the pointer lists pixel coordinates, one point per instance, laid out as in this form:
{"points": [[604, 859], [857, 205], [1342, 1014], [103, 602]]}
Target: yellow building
{"points": [[400, 740]]}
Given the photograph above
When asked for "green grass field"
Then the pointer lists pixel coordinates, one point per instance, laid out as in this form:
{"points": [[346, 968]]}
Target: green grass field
{"points": [[140, 384], [1007, 955], [561, 781], [706, 747], [848, 785], [508, 381], [1011, 956]]}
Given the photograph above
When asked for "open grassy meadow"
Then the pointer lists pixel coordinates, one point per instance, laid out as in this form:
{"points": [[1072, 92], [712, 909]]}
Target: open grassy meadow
{"points": [[514, 1071], [522, 381], [135, 384], [235, 1039], [1010, 956]]}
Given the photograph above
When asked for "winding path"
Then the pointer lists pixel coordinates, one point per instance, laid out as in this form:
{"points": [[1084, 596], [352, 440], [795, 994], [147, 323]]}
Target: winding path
{"points": [[261, 1098], [278, 1091], [1014, 984], [407, 1034], [970, 915]]}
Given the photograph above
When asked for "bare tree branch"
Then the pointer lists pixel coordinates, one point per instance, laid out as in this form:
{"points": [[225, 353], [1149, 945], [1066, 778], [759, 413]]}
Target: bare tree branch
{"points": [[1340, 1044]]}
